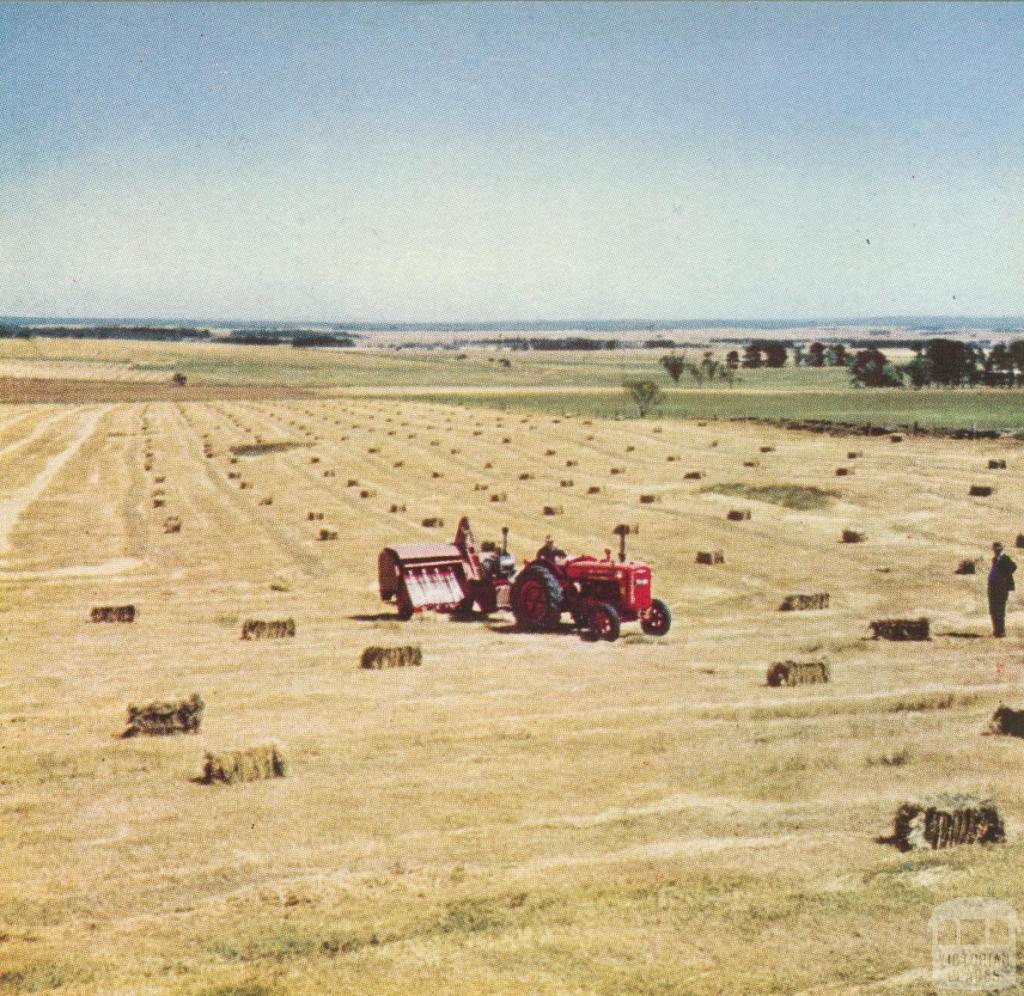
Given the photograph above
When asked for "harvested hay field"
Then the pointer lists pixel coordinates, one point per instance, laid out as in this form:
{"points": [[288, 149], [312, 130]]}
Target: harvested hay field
{"points": [[527, 812]]}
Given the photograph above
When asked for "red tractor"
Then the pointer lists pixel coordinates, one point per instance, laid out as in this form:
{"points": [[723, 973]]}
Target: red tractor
{"points": [[454, 577], [599, 594]]}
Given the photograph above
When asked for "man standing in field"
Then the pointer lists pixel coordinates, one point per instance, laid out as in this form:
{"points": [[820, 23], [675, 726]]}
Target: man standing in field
{"points": [[1000, 584]]}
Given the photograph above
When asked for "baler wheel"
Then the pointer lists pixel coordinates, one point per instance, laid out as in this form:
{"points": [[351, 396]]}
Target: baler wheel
{"points": [[536, 599], [404, 604], [604, 621]]}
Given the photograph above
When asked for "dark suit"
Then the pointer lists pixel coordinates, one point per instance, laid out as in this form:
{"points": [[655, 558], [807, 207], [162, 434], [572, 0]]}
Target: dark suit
{"points": [[1000, 584]]}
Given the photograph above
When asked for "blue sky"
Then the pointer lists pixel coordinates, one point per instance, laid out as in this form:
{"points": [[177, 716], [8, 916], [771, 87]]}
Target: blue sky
{"points": [[511, 160]]}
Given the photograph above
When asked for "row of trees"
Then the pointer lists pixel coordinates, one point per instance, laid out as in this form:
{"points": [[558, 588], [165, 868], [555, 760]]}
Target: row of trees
{"points": [[943, 363], [937, 362]]}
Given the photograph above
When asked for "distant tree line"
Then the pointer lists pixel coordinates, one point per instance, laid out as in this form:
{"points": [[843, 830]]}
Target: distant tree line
{"points": [[944, 363], [936, 363]]}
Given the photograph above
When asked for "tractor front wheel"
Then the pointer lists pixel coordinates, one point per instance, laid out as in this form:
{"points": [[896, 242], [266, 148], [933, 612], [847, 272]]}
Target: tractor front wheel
{"points": [[536, 599], [658, 619], [604, 622]]}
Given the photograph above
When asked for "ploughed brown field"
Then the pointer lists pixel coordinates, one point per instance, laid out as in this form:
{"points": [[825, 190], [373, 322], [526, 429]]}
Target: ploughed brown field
{"points": [[523, 813]]}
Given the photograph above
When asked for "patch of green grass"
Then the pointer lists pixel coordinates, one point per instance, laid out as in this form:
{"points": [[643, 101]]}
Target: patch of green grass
{"points": [[824, 400], [795, 496]]}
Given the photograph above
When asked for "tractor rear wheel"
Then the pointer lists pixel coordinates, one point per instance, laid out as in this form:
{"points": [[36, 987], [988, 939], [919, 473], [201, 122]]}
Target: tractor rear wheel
{"points": [[658, 619], [536, 599], [604, 622]]}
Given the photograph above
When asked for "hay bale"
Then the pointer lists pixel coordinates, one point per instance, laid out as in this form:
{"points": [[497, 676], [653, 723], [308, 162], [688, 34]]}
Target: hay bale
{"points": [[571, 463], [997, 465], [381, 657], [275, 629], [326, 535], [158, 503], [710, 557], [567, 483], [436, 475], [549, 453], [798, 673], [480, 487], [767, 449], [804, 603], [248, 764], [553, 510], [112, 614], [234, 475], [649, 499], [751, 463], [315, 459], [980, 491], [396, 509], [900, 629], [367, 493], [162, 718], [671, 459], [353, 482], [433, 522], [738, 515], [267, 501], [966, 567], [172, 524], [1019, 543], [1007, 722], [852, 536], [617, 470], [594, 489], [693, 475], [854, 454], [526, 476], [844, 471], [630, 449], [947, 821], [499, 496], [314, 516], [329, 473]]}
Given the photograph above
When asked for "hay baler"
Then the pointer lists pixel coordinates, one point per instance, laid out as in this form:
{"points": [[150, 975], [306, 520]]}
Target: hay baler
{"points": [[446, 577]]}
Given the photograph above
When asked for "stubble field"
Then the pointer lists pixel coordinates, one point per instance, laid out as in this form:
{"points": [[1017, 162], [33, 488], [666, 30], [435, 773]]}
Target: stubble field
{"points": [[525, 813]]}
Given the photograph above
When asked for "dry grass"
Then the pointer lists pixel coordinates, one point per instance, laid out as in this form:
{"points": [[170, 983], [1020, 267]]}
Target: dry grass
{"points": [[531, 812]]}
